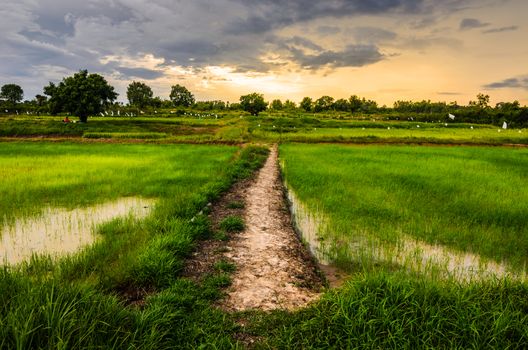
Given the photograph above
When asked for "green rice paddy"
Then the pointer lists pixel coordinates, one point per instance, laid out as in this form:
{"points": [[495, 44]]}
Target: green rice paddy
{"points": [[470, 199], [126, 290]]}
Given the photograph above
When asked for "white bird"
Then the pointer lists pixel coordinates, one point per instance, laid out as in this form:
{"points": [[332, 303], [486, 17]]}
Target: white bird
{"points": [[417, 126], [445, 124], [388, 128], [472, 127], [452, 117], [504, 125]]}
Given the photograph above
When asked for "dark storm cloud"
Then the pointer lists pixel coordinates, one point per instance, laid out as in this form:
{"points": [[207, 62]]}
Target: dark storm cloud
{"points": [[59, 16], [501, 29], [472, 23], [47, 39], [518, 82], [271, 14]]}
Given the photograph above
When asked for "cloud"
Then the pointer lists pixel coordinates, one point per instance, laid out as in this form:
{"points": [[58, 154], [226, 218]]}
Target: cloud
{"points": [[373, 35], [501, 29], [351, 56], [45, 40], [266, 15], [448, 93], [513, 83], [328, 30], [472, 23], [142, 73]]}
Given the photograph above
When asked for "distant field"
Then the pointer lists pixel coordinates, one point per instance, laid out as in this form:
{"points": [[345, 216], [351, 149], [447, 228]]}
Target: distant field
{"points": [[235, 127], [471, 199]]}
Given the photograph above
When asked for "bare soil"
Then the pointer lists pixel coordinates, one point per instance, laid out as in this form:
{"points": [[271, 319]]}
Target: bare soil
{"points": [[274, 270]]}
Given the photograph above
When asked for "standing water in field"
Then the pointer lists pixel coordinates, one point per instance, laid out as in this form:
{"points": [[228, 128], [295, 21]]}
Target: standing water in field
{"points": [[309, 225], [410, 254], [60, 231]]}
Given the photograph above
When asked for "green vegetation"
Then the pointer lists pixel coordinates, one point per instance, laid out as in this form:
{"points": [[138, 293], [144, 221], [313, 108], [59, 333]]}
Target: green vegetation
{"points": [[80, 301], [465, 198], [81, 95], [232, 127], [126, 290], [468, 198], [232, 224], [398, 312]]}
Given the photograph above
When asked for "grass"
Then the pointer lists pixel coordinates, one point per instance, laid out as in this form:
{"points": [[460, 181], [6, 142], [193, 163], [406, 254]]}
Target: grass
{"points": [[462, 197], [466, 198], [232, 224], [394, 312], [79, 301], [73, 175], [125, 291]]}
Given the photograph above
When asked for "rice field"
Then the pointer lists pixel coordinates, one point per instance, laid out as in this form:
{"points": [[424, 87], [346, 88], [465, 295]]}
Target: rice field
{"points": [[123, 288], [467, 199], [401, 221]]}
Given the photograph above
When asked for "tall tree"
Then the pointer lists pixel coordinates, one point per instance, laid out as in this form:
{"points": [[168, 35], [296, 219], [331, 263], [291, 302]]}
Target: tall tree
{"points": [[12, 93], [306, 104], [276, 105], [81, 95], [324, 103], [139, 94], [180, 96], [253, 103]]}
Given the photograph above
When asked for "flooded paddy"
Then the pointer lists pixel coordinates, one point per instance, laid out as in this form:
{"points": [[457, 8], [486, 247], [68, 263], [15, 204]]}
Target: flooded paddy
{"points": [[433, 260], [58, 231]]}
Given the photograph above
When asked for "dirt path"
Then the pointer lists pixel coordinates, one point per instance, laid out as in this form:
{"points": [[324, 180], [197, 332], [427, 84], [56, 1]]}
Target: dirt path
{"points": [[274, 270]]}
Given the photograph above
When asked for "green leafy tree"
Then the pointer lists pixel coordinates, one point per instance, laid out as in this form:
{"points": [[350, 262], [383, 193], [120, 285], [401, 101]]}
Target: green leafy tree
{"points": [[341, 105], [253, 103], [40, 101], [355, 103], [181, 97], [139, 94], [81, 95], [482, 101], [289, 105], [324, 103], [276, 105], [306, 104], [12, 93]]}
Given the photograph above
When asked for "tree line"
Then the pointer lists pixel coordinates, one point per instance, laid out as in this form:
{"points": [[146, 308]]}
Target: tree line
{"points": [[84, 95]]}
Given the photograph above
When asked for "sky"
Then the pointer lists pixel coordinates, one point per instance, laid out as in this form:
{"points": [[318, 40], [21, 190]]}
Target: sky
{"points": [[385, 50]]}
